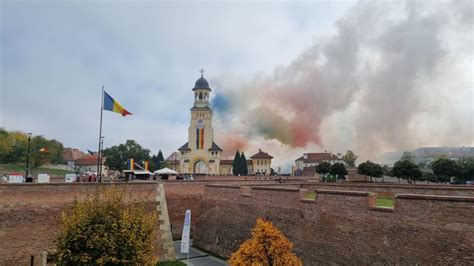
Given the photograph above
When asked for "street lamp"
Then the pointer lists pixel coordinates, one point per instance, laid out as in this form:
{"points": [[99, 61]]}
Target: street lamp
{"points": [[28, 156], [29, 153]]}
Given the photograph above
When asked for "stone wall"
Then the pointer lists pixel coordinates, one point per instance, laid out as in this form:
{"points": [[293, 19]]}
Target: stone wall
{"points": [[30, 215], [341, 226], [429, 224], [450, 190]]}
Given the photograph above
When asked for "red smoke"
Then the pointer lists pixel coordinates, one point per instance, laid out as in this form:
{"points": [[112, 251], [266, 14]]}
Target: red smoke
{"points": [[231, 143]]}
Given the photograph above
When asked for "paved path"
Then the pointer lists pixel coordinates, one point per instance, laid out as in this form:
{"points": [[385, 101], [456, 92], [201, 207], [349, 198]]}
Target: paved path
{"points": [[197, 257]]}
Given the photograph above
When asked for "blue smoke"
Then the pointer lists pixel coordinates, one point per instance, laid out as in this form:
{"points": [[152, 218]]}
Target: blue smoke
{"points": [[220, 104]]}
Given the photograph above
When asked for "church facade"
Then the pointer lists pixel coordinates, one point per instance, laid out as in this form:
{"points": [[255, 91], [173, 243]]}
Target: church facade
{"points": [[201, 155]]}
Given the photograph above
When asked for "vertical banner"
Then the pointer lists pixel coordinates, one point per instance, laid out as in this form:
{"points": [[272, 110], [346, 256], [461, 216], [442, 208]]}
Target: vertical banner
{"points": [[186, 232], [199, 138]]}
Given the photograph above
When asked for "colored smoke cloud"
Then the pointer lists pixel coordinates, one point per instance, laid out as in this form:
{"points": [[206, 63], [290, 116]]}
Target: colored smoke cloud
{"points": [[387, 79]]}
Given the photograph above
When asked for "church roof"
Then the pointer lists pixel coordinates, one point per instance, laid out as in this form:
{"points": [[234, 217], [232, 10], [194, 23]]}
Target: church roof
{"points": [[201, 83], [261, 155], [201, 108], [215, 147], [184, 147]]}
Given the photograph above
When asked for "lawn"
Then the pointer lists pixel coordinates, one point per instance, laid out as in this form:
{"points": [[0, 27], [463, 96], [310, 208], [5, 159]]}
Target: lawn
{"points": [[21, 168], [385, 202], [311, 195]]}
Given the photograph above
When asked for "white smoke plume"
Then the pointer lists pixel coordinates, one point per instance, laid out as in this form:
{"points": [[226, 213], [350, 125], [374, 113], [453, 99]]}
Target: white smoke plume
{"points": [[395, 76]]}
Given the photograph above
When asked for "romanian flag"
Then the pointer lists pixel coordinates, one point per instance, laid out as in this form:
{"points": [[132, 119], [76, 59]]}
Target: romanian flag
{"points": [[199, 138], [112, 105]]}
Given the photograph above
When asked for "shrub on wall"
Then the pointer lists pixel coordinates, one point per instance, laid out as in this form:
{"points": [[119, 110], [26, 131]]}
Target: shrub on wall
{"points": [[268, 246], [103, 229]]}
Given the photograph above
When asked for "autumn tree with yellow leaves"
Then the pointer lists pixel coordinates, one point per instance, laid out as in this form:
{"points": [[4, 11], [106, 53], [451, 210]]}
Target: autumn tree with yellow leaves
{"points": [[268, 246], [105, 230]]}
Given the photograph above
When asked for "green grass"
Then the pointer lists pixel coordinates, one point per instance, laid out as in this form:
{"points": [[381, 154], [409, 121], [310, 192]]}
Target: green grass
{"points": [[311, 195], [385, 202], [171, 263], [8, 168]]}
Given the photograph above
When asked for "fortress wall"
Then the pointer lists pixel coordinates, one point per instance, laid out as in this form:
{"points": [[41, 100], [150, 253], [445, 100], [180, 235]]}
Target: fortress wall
{"points": [[448, 190], [30, 215], [341, 226]]}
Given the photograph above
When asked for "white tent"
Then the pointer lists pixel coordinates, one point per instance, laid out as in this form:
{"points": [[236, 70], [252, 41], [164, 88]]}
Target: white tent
{"points": [[165, 171]]}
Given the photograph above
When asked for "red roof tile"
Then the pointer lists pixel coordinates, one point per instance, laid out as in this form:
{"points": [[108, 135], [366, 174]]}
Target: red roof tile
{"points": [[261, 155]]}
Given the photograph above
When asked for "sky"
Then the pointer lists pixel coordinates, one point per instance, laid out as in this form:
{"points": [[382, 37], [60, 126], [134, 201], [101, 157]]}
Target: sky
{"points": [[287, 77]]}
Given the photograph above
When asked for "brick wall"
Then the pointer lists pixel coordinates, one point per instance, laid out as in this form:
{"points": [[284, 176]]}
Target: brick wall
{"points": [[341, 227], [30, 215], [450, 190]]}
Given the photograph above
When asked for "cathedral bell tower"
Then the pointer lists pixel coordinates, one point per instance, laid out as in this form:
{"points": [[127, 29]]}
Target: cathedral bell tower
{"points": [[200, 155]]}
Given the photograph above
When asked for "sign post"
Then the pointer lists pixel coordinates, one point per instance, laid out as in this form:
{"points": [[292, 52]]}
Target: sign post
{"points": [[186, 233]]}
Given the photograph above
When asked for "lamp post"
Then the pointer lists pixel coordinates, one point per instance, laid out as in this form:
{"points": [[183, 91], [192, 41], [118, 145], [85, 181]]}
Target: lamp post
{"points": [[28, 156]]}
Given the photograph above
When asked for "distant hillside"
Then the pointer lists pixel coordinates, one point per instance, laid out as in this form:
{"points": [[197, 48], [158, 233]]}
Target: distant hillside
{"points": [[427, 153], [21, 168]]}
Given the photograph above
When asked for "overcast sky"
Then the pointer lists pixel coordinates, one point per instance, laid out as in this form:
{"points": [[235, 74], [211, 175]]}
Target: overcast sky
{"points": [[56, 55]]}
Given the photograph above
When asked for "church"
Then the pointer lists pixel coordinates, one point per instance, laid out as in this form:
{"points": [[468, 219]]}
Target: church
{"points": [[201, 155]]}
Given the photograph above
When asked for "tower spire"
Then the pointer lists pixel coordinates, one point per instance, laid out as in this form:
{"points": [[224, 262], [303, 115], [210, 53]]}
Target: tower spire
{"points": [[202, 72]]}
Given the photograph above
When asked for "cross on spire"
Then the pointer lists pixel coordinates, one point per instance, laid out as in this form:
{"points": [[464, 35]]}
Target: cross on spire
{"points": [[202, 71]]}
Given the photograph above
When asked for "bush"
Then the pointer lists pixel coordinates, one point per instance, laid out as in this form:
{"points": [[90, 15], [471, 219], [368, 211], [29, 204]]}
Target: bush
{"points": [[103, 229], [268, 246]]}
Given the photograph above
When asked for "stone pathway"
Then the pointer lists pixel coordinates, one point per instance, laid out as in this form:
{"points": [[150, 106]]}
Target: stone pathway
{"points": [[197, 257]]}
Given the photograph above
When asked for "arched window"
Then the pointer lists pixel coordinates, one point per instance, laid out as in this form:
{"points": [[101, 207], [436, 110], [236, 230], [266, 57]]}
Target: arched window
{"points": [[200, 96]]}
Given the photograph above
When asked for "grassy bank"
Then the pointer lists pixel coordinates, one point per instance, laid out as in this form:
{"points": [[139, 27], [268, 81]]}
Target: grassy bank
{"points": [[21, 168]]}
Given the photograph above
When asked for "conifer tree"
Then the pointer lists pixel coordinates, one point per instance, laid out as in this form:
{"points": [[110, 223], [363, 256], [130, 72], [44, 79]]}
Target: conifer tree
{"points": [[236, 164], [268, 246], [243, 165]]}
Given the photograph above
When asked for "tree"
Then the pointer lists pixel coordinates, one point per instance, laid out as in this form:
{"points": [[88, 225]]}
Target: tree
{"points": [[13, 149], [19, 147], [338, 169], [6, 144], [466, 169], [408, 156], [104, 230], [117, 156], [370, 169], [236, 164], [350, 158], [445, 168], [157, 161], [243, 165], [323, 168], [407, 170], [428, 176], [268, 246]]}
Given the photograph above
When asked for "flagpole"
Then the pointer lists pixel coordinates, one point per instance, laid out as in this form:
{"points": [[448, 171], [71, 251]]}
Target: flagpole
{"points": [[99, 152]]}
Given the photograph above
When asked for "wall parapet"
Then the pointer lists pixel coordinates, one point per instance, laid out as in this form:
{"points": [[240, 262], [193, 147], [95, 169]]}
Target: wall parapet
{"points": [[434, 197], [289, 189], [343, 192], [392, 185]]}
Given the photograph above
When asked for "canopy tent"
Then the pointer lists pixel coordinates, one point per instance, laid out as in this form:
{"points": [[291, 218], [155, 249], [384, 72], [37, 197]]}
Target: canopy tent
{"points": [[165, 171]]}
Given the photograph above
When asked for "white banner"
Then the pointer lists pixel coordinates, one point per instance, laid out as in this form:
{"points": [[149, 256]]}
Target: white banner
{"points": [[186, 232]]}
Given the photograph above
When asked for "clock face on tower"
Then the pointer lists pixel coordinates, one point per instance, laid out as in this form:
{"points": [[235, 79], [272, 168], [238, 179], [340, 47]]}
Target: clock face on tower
{"points": [[200, 123]]}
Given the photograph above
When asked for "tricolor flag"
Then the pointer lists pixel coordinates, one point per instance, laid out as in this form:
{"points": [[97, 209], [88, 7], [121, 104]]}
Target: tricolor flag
{"points": [[112, 105], [199, 138]]}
